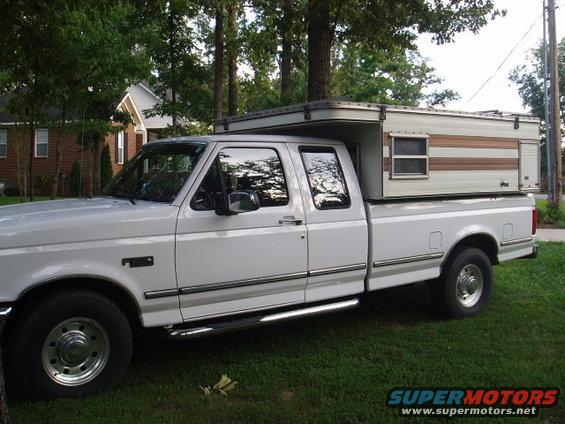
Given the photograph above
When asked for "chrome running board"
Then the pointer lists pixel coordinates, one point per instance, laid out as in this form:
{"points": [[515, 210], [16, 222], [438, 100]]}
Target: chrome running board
{"points": [[255, 321]]}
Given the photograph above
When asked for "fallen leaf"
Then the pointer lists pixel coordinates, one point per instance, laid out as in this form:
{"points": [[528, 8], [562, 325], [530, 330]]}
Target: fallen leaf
{"points": [[223, 386], [224, 390], [224, 381]]}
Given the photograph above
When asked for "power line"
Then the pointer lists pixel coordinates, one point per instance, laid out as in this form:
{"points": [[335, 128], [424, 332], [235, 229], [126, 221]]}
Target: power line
{"points": [[503, 61]]}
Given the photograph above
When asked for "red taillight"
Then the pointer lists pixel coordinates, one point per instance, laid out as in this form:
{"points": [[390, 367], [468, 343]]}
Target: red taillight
{"points": [[534, 220]]}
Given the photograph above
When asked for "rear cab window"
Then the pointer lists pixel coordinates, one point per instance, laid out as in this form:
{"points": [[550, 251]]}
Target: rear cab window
{"points": [[325, 177]]}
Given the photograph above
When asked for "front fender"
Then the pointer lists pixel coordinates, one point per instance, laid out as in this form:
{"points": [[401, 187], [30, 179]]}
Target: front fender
{"points": [[26, 268]]}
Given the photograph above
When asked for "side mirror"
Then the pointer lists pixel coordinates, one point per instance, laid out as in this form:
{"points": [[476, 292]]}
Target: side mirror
{"points": [[243, 201]]}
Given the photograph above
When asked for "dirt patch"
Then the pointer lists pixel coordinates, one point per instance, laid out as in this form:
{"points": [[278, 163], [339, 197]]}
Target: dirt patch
{"points": [[287, 395]]}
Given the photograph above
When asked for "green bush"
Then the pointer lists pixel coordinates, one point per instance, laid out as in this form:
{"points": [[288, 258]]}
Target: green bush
{"points": [[542, 214], [554, 212], [75, 179], [43, 183], [106, 171]]}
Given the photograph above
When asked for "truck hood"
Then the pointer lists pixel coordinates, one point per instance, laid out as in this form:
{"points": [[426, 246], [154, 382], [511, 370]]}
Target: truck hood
{"points": [[75, 220]]}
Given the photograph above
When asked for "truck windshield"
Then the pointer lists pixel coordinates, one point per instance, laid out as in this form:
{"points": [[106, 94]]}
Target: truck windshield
{"points": [[156, 173]]}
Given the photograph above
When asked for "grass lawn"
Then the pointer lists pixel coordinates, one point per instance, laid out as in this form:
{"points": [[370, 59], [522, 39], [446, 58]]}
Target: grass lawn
{"points": [[12, 200], [340, 367]]}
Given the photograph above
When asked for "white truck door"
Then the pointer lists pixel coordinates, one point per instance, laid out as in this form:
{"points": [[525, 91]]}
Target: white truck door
{"points": [[233, 263], [335, 216]]}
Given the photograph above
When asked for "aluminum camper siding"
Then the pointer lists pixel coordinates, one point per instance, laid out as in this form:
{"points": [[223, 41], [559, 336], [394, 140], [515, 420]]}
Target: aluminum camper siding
{"points": [[467, 154]]}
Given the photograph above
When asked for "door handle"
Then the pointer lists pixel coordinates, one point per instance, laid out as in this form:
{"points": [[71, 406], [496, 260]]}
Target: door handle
{"points": [[290, 220]]}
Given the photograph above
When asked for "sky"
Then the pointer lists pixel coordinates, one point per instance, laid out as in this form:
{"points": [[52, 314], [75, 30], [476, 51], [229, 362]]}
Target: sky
{"points": [[469, 61]]}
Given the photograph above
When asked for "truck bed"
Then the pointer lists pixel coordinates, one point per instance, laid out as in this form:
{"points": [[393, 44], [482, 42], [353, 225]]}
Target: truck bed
{"points": [[409, 240]]}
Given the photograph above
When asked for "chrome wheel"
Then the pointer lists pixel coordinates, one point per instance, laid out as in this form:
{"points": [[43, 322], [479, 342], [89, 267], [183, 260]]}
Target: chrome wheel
{"points": [[470, 283], [75, 351]]}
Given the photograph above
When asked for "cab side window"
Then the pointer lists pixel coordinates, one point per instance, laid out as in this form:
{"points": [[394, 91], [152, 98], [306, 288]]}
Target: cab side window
{"points": [[325, 177], [242, 168]]}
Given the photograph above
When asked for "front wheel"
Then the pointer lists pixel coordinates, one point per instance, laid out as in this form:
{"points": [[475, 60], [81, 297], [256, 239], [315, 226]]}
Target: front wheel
{"points": [[69, 344], [465, 285]]}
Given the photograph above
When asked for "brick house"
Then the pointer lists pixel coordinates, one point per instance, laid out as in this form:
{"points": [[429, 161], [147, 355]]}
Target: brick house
{"points": [[123, 145]]}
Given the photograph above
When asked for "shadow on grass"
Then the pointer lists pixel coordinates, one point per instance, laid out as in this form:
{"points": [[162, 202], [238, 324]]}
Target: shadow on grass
{"points": [[393, 308], [339, 367]]}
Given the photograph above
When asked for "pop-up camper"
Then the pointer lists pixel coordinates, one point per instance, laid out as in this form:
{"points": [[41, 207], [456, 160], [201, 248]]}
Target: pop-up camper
{"points": [[401, 151]]}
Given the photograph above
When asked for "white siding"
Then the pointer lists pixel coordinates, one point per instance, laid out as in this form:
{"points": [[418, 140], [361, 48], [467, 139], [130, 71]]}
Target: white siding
{"points": [[452, 182], [428, 123], [144, 100]]}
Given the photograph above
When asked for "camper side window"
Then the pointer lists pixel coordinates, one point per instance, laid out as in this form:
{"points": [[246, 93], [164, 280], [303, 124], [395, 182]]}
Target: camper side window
{"points": [[409, 157]]}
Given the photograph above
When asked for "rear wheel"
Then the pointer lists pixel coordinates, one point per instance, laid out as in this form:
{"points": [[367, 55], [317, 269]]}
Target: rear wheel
{"points": [[465, 285], [69, 344]]}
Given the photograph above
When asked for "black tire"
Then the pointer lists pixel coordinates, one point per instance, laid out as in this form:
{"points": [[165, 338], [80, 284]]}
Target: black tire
{"points": [[33, 324], [445, 292]]}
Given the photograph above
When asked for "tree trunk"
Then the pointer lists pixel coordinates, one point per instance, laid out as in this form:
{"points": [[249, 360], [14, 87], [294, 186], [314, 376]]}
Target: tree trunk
{"points": [[319, 49], [59, 154], [286, 56], [90, 171], [30, 162], [219, 63], [232, 62], [174, 114], [97, 153], [21, 161], [4, 415]]}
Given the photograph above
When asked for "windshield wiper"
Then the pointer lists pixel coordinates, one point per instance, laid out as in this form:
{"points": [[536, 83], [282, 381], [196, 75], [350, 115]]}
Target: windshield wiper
{"points": [[120, 194]]}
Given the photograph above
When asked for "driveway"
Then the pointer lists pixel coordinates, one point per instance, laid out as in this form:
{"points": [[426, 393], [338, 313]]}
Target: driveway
{"points": [[542, 196], [549, 234]]}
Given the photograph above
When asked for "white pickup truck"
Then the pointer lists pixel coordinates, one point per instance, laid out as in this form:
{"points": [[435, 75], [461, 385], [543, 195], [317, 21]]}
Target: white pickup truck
{"points": [[199, 235]]}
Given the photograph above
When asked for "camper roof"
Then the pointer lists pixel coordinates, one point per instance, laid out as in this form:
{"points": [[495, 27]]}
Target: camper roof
{"points": [[380, 110]]}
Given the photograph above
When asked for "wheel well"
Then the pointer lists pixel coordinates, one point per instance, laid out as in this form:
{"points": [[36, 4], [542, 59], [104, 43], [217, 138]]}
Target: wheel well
{"points": [[483, 242], [104, 287]]}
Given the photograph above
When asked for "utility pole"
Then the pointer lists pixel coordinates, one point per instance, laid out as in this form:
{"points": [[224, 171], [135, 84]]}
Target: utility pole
{"points": [[555, 110], [548, 149]]}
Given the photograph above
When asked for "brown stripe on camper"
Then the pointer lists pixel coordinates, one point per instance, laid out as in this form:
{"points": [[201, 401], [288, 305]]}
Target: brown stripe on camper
{"points": [[472, 164], [457, 163], [465, 141], [465, 164]]}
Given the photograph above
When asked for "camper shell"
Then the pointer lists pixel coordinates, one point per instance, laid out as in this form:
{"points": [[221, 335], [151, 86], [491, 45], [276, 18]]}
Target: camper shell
{"points": [[404, 152]]}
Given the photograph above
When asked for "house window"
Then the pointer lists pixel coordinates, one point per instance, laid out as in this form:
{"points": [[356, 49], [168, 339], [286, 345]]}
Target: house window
{"points": [[3, 143], [120, 148], [409, 157], [41, 143]]}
